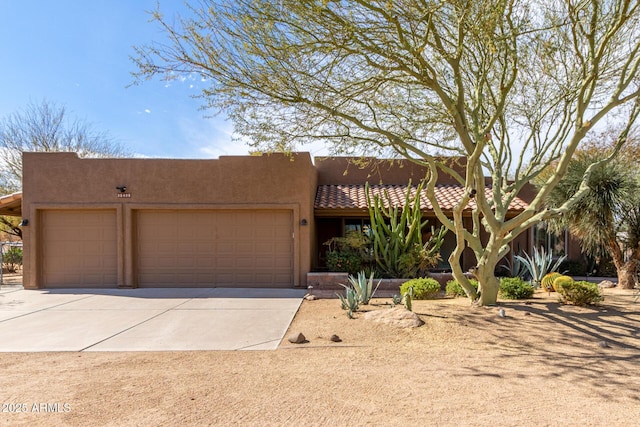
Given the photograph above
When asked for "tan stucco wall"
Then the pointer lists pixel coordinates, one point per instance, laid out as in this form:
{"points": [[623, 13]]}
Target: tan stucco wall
{"points": [[62, 180]]}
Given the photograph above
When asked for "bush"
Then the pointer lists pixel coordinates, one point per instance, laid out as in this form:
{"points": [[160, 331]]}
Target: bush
{"points": [[12, 259], [423, 288], [454, 288], [515, 288], [579, 293], [344, 261]]}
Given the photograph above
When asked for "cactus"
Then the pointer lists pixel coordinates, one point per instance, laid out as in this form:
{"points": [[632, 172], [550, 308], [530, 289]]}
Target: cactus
{"points": [[561, 280], [407, 297], [397, 234], [547, 281]]}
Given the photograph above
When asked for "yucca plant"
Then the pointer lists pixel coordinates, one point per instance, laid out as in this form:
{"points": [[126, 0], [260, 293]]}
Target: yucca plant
{"points": [[540, 264], [606, 219], [363, 287], [349, 301]]}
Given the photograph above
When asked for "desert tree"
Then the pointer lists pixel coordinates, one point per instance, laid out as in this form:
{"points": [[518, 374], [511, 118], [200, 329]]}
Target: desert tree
{"points": [[10, 225], [46, 126], [510, 86]]}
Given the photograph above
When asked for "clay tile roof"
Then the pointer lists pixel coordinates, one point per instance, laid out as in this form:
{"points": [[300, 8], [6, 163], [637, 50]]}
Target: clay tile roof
{"points": [[354, 196]]}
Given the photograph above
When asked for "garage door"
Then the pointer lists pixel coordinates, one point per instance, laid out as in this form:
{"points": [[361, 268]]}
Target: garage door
{"points": [[226, 248], [79, 248]]}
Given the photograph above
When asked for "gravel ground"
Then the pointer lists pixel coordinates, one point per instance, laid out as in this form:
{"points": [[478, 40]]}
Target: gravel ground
{"points": [[557, 365]]}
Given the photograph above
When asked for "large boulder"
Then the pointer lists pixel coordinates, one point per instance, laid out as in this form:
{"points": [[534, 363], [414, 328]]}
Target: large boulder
{"points": [[398, 317], [605, 284]]}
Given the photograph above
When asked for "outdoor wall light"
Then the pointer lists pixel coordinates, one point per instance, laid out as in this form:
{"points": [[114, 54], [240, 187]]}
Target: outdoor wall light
{"points": [[122, 188], [24, 223], [303, 221]]}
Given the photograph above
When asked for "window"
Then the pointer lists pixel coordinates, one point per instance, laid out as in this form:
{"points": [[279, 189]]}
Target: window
{"points": [[549, 241], [357, 224]]}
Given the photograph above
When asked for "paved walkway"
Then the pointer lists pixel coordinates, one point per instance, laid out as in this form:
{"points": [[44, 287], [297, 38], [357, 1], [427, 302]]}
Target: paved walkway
{"points": [[145, 319]]}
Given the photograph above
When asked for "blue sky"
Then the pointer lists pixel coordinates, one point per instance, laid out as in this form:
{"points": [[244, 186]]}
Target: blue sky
{"points": [[76, 53]]}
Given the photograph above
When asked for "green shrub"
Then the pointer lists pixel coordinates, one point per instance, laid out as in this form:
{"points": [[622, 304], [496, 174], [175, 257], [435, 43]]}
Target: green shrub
{"points": [[12, 259], [515, 288], [579, 293], [454, 288], [344, 261], [423, 288]]}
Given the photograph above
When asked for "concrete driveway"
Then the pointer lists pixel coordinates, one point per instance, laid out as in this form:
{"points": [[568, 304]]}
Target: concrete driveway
{"points": [[145, 319]]}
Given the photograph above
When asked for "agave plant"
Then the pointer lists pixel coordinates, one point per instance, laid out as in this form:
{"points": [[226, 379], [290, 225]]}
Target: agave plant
{"points": [[517, 269], [363, 287], [540, 264], [349, 301]]}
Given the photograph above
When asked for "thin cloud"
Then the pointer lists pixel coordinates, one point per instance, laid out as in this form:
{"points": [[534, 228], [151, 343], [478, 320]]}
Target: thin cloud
{"points": [[210, 138]]}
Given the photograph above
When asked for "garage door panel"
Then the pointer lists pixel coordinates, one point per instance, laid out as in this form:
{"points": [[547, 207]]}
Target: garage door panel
{"points": [[79, 248], [242, 248]]}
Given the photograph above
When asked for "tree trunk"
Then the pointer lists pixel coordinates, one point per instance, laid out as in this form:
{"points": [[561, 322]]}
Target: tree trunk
{"points": [[484, 272], [627, 274], [489, 285], [626, 270]]}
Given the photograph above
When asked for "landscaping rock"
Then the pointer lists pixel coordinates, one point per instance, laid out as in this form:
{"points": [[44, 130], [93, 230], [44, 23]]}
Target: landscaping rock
{"points": [[606, 284], [298, 338], [398, 317], [501, 313], [335, 338], [527, 313], [603, 344], [310, 297]]}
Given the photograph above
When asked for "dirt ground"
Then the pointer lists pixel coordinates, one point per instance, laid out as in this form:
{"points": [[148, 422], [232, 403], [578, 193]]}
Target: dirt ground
{"points": [[465, 366]]}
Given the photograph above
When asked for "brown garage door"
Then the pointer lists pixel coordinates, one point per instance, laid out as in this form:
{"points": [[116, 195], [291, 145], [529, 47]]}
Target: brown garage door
{"points": [[226, 248], [79, 248]]}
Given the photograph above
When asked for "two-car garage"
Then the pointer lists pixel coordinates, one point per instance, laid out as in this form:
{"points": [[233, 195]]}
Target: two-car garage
{"points": [[170, 247], [230, 248]]}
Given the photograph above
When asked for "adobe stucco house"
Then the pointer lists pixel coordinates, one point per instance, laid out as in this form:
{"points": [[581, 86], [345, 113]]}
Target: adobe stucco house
{"points": [[238, 221]]}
